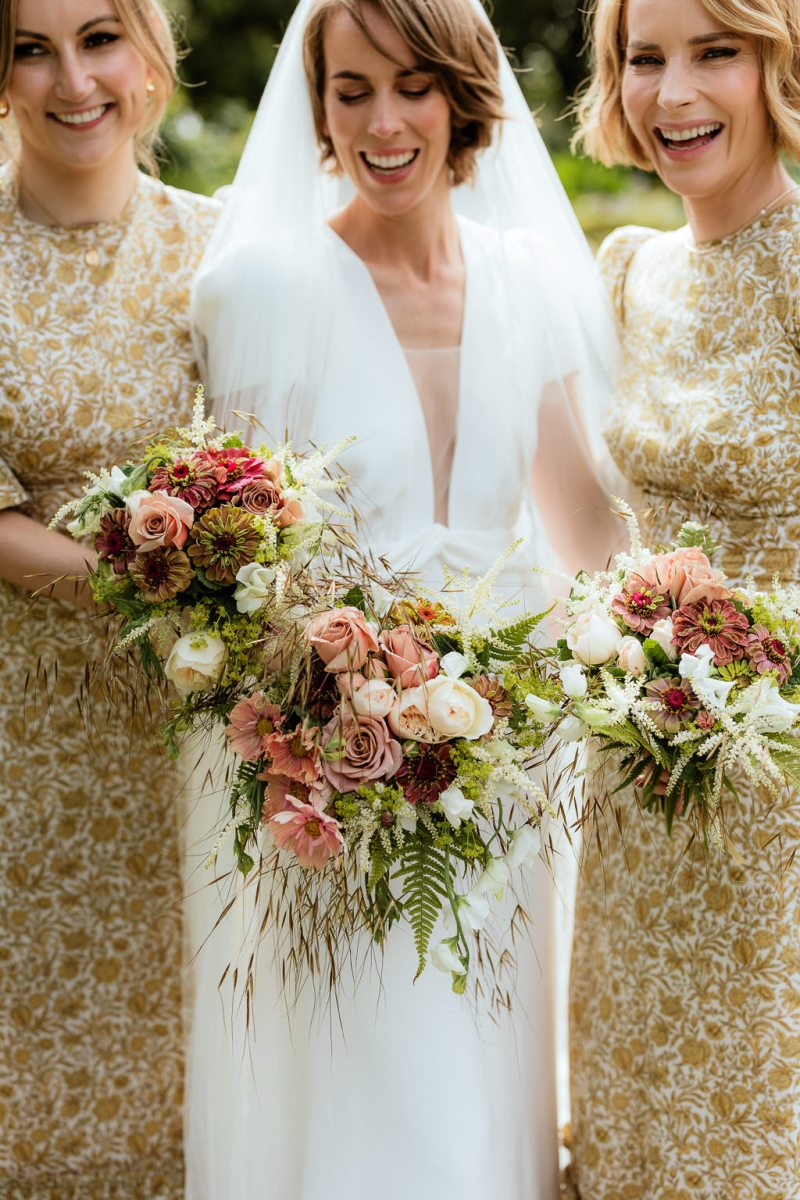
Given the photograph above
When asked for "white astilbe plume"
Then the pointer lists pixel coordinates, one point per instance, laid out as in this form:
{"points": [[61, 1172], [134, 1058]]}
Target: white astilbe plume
{"points": [[202, 427]]}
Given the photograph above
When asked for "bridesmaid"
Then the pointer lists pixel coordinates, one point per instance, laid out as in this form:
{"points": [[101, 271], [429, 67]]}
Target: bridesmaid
{"points": [[96, 260], [685, 1022]]}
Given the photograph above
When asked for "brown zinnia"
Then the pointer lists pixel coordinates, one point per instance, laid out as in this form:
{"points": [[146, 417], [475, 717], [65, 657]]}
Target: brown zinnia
{"points": [[113, 542], [714, 623], [223, 541], [161, 573]]}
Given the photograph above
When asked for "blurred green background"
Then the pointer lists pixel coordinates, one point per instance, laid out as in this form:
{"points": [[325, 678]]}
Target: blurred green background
{"points": [[231, 45]]}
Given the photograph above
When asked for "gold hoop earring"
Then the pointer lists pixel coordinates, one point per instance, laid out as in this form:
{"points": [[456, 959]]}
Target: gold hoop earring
{"points": [[5, 109]]}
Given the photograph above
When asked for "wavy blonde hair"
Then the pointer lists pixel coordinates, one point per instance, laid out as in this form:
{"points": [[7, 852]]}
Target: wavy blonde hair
{"points": [[450, 41], [603, 130], [147, 25]]}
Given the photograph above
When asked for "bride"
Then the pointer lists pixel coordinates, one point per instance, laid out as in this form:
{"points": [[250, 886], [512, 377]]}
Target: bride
{"points": [[397, 261]]}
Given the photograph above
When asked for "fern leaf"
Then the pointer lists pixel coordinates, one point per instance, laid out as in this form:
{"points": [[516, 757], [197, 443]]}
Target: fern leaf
{"points": [[426, 875]]}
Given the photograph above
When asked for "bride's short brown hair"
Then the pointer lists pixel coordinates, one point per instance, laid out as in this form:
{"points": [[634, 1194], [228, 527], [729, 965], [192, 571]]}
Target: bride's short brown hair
{"points": [[451, 41], [147, 25], [603, 130]]}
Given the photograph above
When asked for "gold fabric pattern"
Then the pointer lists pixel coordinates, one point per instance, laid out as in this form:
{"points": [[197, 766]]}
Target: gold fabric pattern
{"points": [[685, 988], [95, 328]]}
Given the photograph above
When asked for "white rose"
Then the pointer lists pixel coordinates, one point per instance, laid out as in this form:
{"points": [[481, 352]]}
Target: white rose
{"points": [[544, 711], [456, 710], [444, 958], [573, 681], [631, 656], [494, 878], [524, 849], [662, 633], [196, 662], [455, 806], [374, 698], [593, 637], [255, 586]]}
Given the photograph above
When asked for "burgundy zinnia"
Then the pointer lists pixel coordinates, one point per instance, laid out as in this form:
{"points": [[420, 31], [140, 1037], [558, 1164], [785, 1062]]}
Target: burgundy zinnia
{"points": [[425, 774], [640, 605], [190, 479], [768, 653], [714, 623], [113, 542], [673, 703]]}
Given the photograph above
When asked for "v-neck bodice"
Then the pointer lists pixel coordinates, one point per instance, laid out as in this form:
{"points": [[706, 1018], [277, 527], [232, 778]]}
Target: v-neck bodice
{"points": [[436, 377]]}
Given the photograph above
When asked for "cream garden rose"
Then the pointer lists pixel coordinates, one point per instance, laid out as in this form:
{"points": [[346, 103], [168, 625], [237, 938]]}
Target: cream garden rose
{"points": [[196, 662]]}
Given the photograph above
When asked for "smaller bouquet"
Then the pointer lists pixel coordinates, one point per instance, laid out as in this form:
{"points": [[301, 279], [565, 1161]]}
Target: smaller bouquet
{"points": [[201, 545], [389, 761], [678, 679]]}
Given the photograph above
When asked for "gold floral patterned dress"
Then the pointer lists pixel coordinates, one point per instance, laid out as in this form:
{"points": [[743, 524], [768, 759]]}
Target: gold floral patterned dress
{"points": [[685, 988], [94, 337]]}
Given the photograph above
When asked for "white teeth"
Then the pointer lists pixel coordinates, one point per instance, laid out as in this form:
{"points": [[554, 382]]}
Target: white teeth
{"points": [[83, 118], [688, 135], [390, 162]]}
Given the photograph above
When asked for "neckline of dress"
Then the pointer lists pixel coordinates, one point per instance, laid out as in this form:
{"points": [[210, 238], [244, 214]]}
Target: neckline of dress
{"points": [[92, 228], [729, 239]]}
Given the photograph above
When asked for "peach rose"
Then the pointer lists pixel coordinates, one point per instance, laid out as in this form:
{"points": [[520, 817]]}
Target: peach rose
{"points": [[357, 749], [687, 575], [409, 718], [158, 519], [410, 661], [343, 638]]}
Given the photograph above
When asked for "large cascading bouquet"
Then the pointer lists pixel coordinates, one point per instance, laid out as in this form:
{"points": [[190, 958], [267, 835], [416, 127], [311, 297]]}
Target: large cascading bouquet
{"points": [[202, 544], [679, 681], [385, 768]]}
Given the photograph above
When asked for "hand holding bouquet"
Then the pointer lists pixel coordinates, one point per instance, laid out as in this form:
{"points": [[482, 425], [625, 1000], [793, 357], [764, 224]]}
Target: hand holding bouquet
{"points": [[677, 678]]}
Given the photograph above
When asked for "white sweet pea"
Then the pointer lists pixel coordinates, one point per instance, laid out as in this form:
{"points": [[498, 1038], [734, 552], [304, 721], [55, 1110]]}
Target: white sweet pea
{"points": [[764, 701], [524, 848], [407, 819], [573, 681], [631, 656], [544, 711], [255, 586], [593, 637], [662, 633], [196, 662], [697, 668], [473, 912], [444, 958], [381, 598], [455, 805], [572, 729], [493, 879], [453, 665], [594, 716]]}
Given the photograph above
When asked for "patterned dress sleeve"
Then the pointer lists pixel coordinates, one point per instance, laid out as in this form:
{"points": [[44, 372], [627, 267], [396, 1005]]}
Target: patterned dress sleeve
{"points": [[614, 259], [12, 493]]}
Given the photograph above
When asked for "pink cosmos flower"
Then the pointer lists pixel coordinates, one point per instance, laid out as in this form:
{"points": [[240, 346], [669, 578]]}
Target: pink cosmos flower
{"points": [[409, 659], [313, 836], [250, 724], [343, 638], [295, 753], [281, 789]]}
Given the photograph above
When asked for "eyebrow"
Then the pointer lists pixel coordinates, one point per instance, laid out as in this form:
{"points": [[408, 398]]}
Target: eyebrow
{"points": [[705, 39], [42, 37], [406, 71]]}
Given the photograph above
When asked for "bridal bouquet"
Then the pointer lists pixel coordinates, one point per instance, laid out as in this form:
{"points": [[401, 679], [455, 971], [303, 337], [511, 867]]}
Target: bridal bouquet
{"points": [[387, 763], [201, 544], [677, 678]]}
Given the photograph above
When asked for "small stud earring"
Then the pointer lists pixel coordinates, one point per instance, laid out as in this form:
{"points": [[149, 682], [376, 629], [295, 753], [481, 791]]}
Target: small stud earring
{"points": [[5, 109], [150, 87]]}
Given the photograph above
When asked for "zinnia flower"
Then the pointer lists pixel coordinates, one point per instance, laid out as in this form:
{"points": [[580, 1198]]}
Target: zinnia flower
{"points": [[426, 773], [640, 605], [113, 542], [161, 573], [673, 703], [715, 623], [190, 479], [768, 653], [235, 466], [223, 541], [250, 723], [313, 836], [295, 753]]}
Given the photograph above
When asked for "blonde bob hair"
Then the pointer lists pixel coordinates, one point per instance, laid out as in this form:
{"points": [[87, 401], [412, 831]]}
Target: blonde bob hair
{"points": [[450, 41], [147, 25], [603, 130]]}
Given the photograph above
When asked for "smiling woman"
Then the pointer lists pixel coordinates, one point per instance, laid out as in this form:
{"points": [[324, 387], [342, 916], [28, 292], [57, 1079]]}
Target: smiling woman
{"points": [[95, 264]]}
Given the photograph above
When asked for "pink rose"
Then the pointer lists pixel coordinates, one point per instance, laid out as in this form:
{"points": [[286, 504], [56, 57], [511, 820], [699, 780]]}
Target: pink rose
{"points": [[356, 750], [410, 661], [260, 496], [687, 575], [343, 638], [158, 519]]}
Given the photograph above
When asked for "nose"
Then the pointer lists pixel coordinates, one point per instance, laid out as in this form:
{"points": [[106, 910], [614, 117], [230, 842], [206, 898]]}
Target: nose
{"points": [[676, 88], [74, 81], [385, 119]]}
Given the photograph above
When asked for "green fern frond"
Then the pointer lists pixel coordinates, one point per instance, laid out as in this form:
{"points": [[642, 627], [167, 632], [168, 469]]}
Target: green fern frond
{"points": [[509, 643], [427, 874]]}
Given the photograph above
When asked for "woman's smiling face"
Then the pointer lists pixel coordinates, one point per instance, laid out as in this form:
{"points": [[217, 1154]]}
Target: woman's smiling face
{"points": [[78, 87], [693, 96], [388, 120]]}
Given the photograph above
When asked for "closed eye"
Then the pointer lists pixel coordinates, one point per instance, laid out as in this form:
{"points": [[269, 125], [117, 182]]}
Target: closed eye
{"points": [[100, 39]]}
